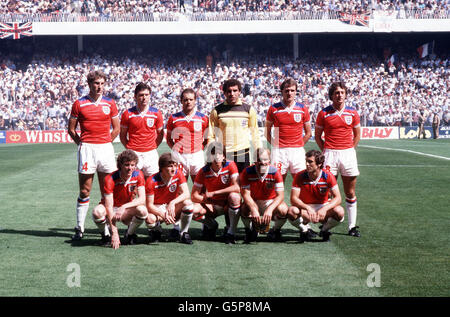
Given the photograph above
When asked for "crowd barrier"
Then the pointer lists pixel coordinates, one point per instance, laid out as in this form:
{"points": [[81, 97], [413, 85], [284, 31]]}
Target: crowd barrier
{"points": [[367, 133]]}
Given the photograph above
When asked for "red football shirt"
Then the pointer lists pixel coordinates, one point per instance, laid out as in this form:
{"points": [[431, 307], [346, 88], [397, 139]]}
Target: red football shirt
{"points": [[314, 191], [187, 133], [288, 123], [338, 127], [142, 128], [262, 188], [164, 193], [123, 192], [213, 181], [94, 118]]}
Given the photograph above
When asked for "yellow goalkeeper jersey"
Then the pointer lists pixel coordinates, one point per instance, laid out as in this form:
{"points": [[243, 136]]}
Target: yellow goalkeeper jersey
{"points": [[233, 125]]}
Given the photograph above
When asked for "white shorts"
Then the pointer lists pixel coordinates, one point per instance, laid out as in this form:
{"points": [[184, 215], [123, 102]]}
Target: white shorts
{"points": [[190, 163], [148, 162], [162, 208], [316, 207], [262, 205], [342, 162], [96, 158], [289, 158]]}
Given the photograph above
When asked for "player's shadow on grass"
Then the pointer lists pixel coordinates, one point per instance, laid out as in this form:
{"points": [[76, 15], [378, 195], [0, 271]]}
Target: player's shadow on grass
{"points": [[36, 233]]}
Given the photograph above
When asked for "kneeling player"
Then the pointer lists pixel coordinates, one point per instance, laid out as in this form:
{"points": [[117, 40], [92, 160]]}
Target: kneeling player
{"points": [[118, 203], [263, 192], [215, 192], [309, 197], [168, 200]]}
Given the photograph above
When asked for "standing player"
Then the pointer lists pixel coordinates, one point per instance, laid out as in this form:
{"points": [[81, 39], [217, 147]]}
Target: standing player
{"points": [[119, 203], [216, 191], [309, 198], [289, 118], [141, 130], [263, 192], [168, 199], [186, 135], [230, 123], [95, 114], [342, 129]]}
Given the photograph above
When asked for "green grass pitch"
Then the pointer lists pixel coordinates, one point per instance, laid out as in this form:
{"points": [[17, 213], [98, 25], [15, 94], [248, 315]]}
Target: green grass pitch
{"points": [[403, 214]]}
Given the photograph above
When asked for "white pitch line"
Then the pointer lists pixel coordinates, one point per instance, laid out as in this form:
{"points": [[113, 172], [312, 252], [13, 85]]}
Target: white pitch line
{"points": [[384, 165], [409, 151]]}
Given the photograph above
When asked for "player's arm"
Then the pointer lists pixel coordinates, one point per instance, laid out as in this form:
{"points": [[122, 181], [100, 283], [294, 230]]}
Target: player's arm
{"points": [[183, 194], [254, 129], [124, 135], [115, 122], [72, 130], [159, 136], [196, 195], [109, 206], [251, 204], [297, 202], [205, 133], [151, 208], [267, 217], [356, 135], [267, 129], [212, 125], [138, 201], [169, 139], [233, 188], [335, 201], [318, 130], [308, 133]]}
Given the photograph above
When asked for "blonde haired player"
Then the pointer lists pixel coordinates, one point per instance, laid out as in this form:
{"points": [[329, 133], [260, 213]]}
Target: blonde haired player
{"points": [[120, 203]]}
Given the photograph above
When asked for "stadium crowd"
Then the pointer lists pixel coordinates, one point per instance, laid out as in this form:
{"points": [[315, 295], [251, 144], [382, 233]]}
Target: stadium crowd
{"points": [[108, 7], [40, 95]]}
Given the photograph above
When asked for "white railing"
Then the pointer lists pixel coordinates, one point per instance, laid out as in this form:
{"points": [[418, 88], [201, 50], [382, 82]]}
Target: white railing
{"points": [[209, 16]]}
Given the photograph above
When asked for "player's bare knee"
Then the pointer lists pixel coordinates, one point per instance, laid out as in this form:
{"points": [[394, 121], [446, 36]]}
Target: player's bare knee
{"points": [[99, 212], [338, 213], [141, 212], [151, 219], [234, 199], [282, 210], [293, 213], [187, 203]]}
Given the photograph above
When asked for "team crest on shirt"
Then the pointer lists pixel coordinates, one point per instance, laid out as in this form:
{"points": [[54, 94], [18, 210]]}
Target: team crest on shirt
{"points": [[106, 110], [270, 185], [348, 119], [297, 117], [172, 188], [150, 122], [244, 123], [323, 190], [224, 179], [197, 126]]}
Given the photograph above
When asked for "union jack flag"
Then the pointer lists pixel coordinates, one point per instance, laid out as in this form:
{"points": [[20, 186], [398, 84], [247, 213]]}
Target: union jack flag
{"points": [[15, 29], [361, 19]]}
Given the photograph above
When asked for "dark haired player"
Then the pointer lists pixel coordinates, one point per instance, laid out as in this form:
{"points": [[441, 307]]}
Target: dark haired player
{"points": [[309, 197], [168, 200], [141, 130], [216, 192], [342, 129]]}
